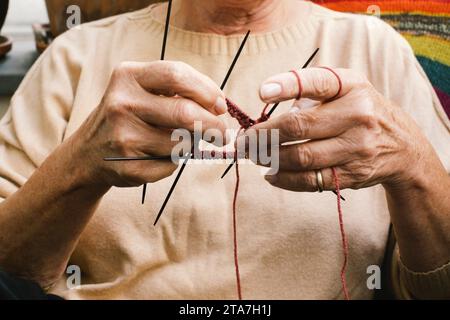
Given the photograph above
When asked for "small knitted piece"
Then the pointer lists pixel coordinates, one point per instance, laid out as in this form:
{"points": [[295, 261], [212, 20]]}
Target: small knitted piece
{"points": [[244, 119]]}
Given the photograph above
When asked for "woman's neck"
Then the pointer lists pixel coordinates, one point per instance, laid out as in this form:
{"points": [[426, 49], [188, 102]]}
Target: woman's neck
{"points": [[228, 17]]}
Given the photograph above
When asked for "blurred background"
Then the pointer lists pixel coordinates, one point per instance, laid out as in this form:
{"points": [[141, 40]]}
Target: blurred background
{"points": [[31, 25], [21, 15]]}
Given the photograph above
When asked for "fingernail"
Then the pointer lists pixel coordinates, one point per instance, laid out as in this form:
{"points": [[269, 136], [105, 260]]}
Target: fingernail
{"points": [[270, 90], [271, 178], [221, 106]]}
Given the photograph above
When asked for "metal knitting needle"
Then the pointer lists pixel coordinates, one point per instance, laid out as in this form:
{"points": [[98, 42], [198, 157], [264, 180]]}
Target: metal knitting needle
{"points": [[157, 158], [273, 109], [163, 53], [183, 166], [144, 158], [160, 158]]}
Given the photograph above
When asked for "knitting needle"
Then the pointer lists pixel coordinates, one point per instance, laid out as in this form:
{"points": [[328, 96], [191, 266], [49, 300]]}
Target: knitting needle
{"points": [[166, 30], [163, 53], [161, 158], [149, 158], [236, 58], [304, 67], [275, 106], [273, 109], [144, 158], [157, 158], [183, 166]]}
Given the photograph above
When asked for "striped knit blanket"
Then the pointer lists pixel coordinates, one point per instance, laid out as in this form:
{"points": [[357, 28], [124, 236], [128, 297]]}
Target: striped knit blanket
{"points": [[424, 23]]}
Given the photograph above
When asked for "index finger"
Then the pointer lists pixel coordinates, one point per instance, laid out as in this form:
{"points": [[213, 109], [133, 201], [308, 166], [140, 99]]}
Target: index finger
{"points": [[314, 83], [177, 78], [316, 123]]}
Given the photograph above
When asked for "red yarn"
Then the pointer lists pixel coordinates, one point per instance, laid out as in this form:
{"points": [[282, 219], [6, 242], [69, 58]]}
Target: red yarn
{"points": [[246, 122], [214, 155], [338, 79], [235, 243], [343, 234]]}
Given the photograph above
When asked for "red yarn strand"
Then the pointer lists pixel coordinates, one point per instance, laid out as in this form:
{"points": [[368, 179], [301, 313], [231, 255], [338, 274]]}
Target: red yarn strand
{"points": [[300, 85], [343, 235], [338, 79], [235, 242], [246, 122]]}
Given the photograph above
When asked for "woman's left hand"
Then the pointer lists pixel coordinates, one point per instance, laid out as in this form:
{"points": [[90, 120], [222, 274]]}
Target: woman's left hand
{"points": [[348, 126]]}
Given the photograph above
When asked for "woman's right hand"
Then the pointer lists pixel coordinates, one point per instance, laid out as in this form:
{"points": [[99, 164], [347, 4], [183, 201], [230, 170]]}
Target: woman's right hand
{"points": [[142, 105]]}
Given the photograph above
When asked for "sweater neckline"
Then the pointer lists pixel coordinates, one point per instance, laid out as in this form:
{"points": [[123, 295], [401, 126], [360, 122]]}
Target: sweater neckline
{"points": [[215, 44]]}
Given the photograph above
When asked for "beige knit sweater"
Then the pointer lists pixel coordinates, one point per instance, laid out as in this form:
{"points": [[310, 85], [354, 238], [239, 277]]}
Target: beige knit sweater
{"points": [[289, 243]]}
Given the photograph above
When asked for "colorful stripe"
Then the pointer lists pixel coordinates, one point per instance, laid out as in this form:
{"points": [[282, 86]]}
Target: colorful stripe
{"points": [[420, 25], [426, 26], [431, 47], [445, 99], [438, 73], [434, 7]]}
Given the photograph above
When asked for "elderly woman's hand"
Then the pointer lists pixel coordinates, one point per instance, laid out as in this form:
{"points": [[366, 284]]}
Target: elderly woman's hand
{"points": [[41, 223], [143, 103], [366, 138], [369, 141]]}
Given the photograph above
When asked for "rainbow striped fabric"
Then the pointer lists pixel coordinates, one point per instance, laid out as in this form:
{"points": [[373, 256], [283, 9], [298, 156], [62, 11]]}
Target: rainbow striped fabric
{"points": [[424, 23]]}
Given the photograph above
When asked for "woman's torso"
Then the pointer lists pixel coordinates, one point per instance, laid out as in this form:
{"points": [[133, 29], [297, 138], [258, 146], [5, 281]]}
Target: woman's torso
{"points": [[289, 243]]}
